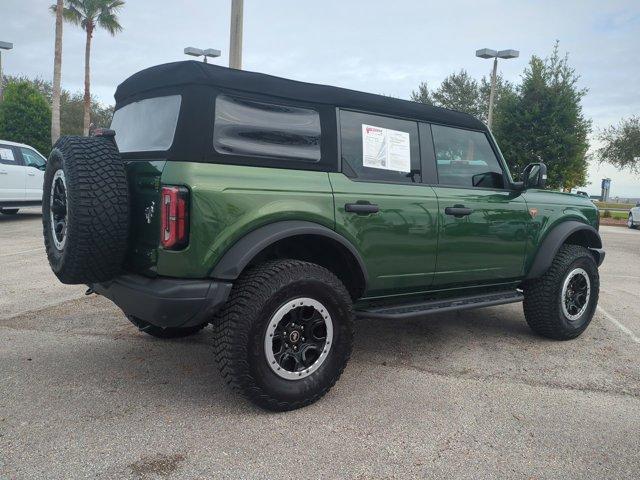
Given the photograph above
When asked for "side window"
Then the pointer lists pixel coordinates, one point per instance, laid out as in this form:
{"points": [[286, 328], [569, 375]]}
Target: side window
{"points": [[258, 129], [33, 159], [7, 156], [465, 158], [379, 148]]}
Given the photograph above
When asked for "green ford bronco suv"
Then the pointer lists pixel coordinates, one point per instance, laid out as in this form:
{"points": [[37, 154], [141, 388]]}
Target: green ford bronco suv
{"points": [[279, 211]]}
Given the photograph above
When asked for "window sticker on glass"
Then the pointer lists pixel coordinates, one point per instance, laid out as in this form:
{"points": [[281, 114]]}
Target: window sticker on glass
{"points": [[386, 149], [7, 154]]}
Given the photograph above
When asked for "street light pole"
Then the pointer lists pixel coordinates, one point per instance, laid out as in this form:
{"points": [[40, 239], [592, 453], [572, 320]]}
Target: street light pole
{"points": [[489, 53], [198, 52], [3, 46], [235, 40], [493, 91]]}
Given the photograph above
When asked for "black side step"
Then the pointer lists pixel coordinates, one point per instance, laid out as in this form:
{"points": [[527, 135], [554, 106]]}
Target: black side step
{"points": [[409, 310]]}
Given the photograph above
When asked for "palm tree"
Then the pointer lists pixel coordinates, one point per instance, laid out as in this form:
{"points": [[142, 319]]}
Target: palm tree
{"points": [[57, 73], [89, 14]]}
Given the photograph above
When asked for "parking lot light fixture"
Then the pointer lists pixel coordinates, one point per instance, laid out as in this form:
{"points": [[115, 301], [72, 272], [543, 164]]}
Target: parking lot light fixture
{"points": [[206, 53], [495, 54], [3, 46]]}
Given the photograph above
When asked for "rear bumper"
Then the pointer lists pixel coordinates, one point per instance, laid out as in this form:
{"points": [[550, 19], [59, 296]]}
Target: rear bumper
{"points": [[166, 302]]}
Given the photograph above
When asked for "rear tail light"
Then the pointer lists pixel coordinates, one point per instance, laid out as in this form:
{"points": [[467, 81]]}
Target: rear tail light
{"points": [[174, 218]]}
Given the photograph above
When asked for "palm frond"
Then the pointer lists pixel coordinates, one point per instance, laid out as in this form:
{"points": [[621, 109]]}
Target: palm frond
{"points": [[107, 17], [101, 13]]}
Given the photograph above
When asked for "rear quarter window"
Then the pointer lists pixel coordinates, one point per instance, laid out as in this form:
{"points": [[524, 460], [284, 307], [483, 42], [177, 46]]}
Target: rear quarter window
{"points": [[251, 128], [148, 125]]}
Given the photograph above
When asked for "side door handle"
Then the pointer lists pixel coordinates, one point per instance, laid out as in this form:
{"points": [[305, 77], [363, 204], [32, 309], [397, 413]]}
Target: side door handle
{"points": [[4, 172], [458, 211], [361, 208]]}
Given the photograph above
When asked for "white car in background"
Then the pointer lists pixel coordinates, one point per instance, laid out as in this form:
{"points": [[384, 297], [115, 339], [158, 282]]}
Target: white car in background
{"points": [[21, 177], [634, 217]]}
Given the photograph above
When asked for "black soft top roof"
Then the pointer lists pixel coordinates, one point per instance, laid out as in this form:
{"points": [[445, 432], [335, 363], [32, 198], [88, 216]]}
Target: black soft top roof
{"points": [[199, 73]]}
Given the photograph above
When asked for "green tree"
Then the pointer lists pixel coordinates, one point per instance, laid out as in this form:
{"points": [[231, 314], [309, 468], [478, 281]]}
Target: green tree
{"points": [[459, 91], [72, 113], [621, 145], [543, 121], [504, 89], [25, 116], [89, 15], [71, 106], [422, 95]]}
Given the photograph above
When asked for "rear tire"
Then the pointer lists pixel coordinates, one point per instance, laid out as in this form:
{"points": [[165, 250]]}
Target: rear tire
{"points": [[85, 210], [561, 303], [285, 335], [160, 332], [9, 211]]}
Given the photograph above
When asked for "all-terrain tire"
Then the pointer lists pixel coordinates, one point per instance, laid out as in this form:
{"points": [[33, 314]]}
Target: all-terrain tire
{"points": [[9, 211], [241, 329], [96, 224], [543, 297], [159, 332]]}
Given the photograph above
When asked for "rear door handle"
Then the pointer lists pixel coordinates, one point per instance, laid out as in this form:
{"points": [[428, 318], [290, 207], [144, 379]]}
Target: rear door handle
{"points": [[361, 208], [3, 172], [458, 211], [31, 174]]}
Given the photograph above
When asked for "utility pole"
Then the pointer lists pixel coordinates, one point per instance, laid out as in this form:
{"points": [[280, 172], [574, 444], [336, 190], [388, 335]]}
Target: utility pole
{"points": [[235, 41], [3, 46]]}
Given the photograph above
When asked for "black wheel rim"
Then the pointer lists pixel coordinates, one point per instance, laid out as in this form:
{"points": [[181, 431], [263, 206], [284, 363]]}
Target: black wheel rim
{"points": [[58, 209], [298, 338], [576, 292]]}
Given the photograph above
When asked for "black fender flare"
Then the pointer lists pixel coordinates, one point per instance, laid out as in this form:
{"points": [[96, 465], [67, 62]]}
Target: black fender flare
{"points": [[556, 238], [244, 250]]}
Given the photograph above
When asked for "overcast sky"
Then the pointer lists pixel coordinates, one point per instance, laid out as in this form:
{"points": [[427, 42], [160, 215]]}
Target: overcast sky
{"points": [[372, 45]]}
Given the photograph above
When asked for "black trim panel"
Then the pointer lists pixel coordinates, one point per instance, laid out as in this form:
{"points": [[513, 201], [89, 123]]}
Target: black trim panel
{"points": [[420, 309], [166, 302], [245, 249], [554, 240]]}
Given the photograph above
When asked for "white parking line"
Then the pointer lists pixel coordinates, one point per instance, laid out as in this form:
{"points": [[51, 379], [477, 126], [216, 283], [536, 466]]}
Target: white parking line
{"points": [[613, 320], [23, 251]]}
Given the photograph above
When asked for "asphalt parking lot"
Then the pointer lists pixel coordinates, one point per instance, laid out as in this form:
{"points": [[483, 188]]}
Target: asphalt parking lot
{"points": [[83, 394]]}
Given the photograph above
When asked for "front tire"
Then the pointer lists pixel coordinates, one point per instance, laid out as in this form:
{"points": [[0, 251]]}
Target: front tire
{"points": [[630, 223], [560, 304], [285, 335]]}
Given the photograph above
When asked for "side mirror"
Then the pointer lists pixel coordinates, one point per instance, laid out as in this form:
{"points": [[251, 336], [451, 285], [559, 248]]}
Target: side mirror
{"points": [[534, 175]]}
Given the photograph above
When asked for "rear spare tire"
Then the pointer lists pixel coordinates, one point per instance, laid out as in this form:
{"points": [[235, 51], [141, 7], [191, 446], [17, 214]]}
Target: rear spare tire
{"points": [[85, 209]]}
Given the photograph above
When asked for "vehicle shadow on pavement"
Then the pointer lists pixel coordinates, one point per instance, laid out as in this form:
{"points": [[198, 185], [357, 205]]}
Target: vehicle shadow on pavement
{"points": [[88, 342], [19, 217], [95, 343]]}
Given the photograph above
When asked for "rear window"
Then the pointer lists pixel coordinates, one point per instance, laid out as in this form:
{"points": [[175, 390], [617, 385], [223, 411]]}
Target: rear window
{"points": [[257, 129], [148, 125]]}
